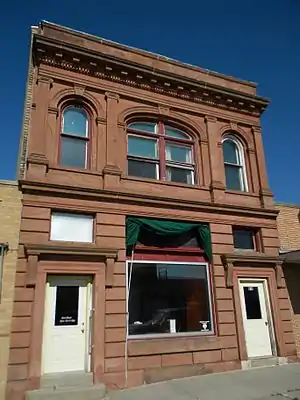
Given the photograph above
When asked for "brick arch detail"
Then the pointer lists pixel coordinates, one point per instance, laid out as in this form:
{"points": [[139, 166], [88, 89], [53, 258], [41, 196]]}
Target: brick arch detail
{"points": [[194, 129], [244, 137], [86, 98]]}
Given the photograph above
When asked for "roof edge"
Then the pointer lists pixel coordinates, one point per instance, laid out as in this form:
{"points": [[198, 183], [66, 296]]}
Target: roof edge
{"points": [[148, 53]]}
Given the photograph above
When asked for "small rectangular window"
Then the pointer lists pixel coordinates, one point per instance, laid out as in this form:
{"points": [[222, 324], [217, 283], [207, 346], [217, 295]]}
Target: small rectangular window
{"points": [[245, 239], [71, 227], [168, 298]]}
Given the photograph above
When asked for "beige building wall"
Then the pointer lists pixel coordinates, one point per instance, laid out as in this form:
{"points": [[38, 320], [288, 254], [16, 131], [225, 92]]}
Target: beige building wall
{"points": [[288, 221], [10, 213]]}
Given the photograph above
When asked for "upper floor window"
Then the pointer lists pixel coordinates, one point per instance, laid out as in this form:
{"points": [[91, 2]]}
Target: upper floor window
{"points": [[159, 151], [74, 137], [234, 163]]}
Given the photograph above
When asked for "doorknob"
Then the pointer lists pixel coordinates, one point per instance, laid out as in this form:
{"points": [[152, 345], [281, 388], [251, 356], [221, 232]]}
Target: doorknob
{"points": [[82, 327]]}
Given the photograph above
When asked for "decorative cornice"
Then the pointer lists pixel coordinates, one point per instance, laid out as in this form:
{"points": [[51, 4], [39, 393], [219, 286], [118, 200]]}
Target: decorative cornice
{"points": [[254, 259], [75, 58], [70, 249], [27, 186]]}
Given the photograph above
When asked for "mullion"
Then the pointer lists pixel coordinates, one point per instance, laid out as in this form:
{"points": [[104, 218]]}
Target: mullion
{"points": [[162, 151]]}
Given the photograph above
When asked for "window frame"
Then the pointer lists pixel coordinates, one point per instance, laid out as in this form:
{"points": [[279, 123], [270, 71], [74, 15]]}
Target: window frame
{"points": [[153, 257], [86, 139], [162, 141], [241, 165], [256, 237]]}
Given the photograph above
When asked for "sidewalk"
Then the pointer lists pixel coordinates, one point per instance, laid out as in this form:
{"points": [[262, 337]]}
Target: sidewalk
{"points": [[270, 383]]}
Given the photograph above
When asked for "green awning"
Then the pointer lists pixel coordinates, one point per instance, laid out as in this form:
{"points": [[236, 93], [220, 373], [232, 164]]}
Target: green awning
{"points": [[136, 227]]}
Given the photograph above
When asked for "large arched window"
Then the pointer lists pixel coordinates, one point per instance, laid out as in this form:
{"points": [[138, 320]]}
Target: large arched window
{"points": [[234, 163], [74, 137], [159, 151]]}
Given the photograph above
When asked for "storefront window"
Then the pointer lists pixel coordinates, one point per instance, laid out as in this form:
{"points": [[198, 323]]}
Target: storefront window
{"points": [[168, 298]]}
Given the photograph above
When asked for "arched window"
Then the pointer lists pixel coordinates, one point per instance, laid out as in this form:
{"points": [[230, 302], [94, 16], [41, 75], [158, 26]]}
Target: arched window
{"points": [[234, 163], [74, 137], [159, 151]]}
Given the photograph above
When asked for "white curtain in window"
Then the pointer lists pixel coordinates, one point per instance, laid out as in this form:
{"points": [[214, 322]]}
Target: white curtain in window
{"points": [[72, 227]]}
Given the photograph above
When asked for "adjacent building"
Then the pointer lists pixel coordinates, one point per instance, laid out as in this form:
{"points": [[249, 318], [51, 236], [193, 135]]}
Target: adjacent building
{"points": [[10, 214], [148, 241], [289, 235]]}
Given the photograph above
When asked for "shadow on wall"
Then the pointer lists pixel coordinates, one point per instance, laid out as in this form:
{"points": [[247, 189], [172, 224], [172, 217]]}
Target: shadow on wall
{"points": [[292, 278]]}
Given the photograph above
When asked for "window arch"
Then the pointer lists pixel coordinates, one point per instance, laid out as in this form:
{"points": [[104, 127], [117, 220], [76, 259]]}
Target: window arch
{"points": [[74, 137], [159, 151], [234, 164]]}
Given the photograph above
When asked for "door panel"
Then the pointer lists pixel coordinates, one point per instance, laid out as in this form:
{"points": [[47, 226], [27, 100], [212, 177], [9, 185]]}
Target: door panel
{"points": [[66, 324], [256, 317]]}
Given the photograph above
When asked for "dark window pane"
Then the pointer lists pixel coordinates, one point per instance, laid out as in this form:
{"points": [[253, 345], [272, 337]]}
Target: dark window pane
{"points": [[252, 302], [233, 177], [243, 239], [142, 169], [230, 152], [173, 132], [75, 122], [142, 147], [177, 153], [168, 298], [66, 307], [180, 175], [143, 126], [73, 152]]}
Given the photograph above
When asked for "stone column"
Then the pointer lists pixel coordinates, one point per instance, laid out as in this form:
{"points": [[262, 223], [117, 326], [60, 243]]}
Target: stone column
{"points": [[37, 159], [111, 171], [266, 195], [216, 160]]}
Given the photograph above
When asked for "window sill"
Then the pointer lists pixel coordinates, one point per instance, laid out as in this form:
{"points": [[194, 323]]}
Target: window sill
{"points": [[241, 193], [75, 170], [170, 336], [167, 183]]}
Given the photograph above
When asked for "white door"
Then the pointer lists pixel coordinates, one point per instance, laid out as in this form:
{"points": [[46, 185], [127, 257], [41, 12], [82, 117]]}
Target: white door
{"points": [[66, 326], [256, 317]]}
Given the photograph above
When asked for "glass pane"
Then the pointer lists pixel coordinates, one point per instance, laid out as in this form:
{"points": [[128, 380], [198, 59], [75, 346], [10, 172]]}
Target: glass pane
{"points": [[252, 302], [75, 122], [243, 239], [233, 177], [230, 152], [178, 153], [180, 175], [142, 147], [143, 126], [72, 227], [73, 152], [66, 307], [168, 298], [142, 169], [169, 131]]}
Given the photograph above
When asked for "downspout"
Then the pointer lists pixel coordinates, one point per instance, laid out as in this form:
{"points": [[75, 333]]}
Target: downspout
{"points": [[3, 249]]}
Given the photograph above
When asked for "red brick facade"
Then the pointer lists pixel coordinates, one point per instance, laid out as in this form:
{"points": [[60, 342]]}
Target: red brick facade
{"points": [[117, 84]]}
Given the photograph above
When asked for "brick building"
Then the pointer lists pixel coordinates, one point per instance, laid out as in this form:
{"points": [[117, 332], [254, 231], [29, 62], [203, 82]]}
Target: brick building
{"points": [[288, 221], [10, 214], [148, 243]]}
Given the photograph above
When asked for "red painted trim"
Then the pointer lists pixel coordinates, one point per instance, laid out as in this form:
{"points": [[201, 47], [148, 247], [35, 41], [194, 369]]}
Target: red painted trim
{"points": [[76, 103]]}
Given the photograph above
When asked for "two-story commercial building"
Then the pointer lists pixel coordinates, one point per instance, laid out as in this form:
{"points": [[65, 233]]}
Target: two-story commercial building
{"points": [[148, 243]]}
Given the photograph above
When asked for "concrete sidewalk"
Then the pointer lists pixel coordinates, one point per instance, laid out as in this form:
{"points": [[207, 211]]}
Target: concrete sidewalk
{"points": [[270, 383]]}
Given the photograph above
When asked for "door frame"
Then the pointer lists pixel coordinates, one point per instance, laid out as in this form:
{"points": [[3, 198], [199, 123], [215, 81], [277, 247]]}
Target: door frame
{"points": [[264, 282], [63, 280], [256, 272], [97, 271]]}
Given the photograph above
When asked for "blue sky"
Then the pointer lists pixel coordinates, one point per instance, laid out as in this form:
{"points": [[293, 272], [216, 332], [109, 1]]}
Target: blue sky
{"points": [[257, 41]]}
